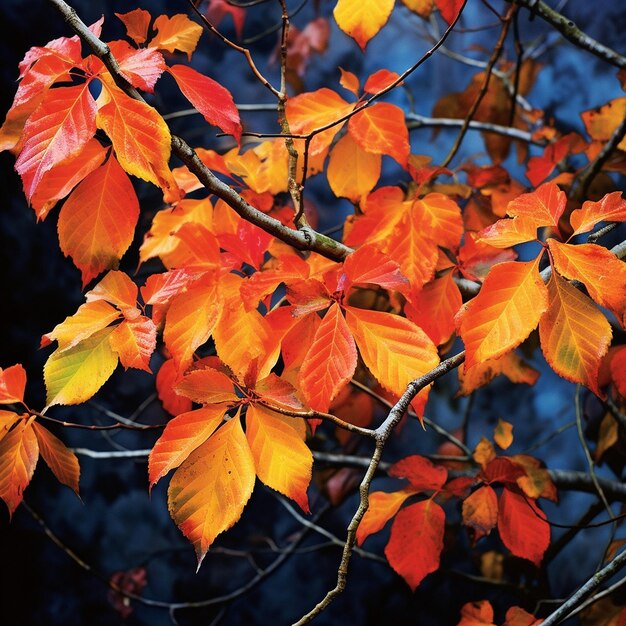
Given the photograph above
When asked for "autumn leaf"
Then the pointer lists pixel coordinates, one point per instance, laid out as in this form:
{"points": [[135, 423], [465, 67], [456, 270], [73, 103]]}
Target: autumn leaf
{"points": [[181, 437], [393, 348], [330, 361], [166, 378], [610, 208], [522, 527], [18, 457], [480, 511], [282, 460], [504, 313], [352, 172], [602, 273], [416, 541], [176, 33], [509, 232], [209, 491], [574, 334], [97, 222], [140, 137], [213, 101], [449, 9], [381, 129], [12, 384], [477, 614], [136, 22], [59, 458], [544, 206], [422, 474], [58, 129], [135, 341], [75, 374], [382, 507], [362, 19]]}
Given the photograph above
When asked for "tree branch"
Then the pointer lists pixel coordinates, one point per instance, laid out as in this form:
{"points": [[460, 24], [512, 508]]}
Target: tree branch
{"points": [[570, 31], [304, 239]]}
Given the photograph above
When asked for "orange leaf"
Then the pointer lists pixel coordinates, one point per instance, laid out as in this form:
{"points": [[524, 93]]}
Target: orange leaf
{"points": [[18, 457], [7, 419], [330, 361], [352, 172], [12, 384], [57, 182], [382, 507], [544, 205], [166, 377], [381, 129], [349, 81], [310, 111], [136, 23], [503, 434], [434, 306], [507, 309], [484, 453], [422, 7], [379, 80], [278, 392], [516, 616], [141, 68], [509, 232], [522, 527], [510, 364], [58, 129], [282, 460], [117, 288], [181, 437], [176, 33], [362, 19], [209, 491], [206, 386], [477, 614], [242, 336], [599, 270], [611, 208], [422, 474], [97, 222], [213, 101], [369, 266], [189, 322], [416, 541], [88, 319], [394, 349], [140, 137], [135, 341], [480, 511], [59, 458], [574, 334], [601, 123], [440, 217]]}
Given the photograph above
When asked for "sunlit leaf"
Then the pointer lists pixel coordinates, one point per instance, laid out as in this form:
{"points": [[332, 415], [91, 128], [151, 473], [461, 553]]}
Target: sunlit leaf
{"points": [[382, 507], [135, 341], [362, 19], [480, 511], [59, 458], [282, 460], [611, 208], [574, 334], [422, 474], [210, 489], [176, 33], [12, 384]]}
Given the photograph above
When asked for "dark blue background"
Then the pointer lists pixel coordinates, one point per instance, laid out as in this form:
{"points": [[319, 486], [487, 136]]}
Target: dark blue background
{"points": [[117, 526]]}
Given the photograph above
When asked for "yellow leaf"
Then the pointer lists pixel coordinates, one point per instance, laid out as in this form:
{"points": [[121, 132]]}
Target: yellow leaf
{"points": [[282, 460], [503, 434], [574, 334], [210, 489], [362, 19], [176, 33], [352, 172], [140, 137], [74, 375]]}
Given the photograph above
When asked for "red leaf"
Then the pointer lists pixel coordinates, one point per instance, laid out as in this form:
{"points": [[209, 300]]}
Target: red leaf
{"points": [[58, 129], [420, 472], [522, 527], [12, 384], [214, 102], [449, 9], [416, 541], [165, 379]]}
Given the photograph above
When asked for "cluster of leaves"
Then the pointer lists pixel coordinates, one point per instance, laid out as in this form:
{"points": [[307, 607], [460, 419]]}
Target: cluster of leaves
{"points": [[265, 338]]}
